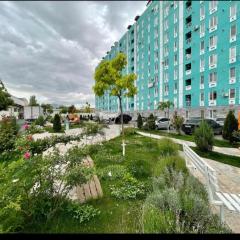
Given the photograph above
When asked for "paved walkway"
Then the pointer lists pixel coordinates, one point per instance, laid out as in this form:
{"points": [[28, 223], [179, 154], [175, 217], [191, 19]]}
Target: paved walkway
{"points": [[229, 182], [223, 150]]}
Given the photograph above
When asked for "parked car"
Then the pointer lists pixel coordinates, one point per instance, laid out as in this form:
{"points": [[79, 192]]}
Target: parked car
{"points": [[220, 120], [162, 123], [126, 119], [191, 124]]}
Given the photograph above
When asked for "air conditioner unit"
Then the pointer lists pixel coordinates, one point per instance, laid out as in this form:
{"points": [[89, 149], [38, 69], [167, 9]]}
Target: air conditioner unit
{"points": [[196, 28]]}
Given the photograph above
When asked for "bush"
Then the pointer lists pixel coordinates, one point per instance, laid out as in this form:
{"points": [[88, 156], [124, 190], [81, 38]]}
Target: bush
{"points": [[236, 135], [57, 123], [175, 162], [151, 122], [28, 189], [82, 213], [204, 137], [129, 131], [177, 122], [167, 147], [230, 125], [40, 121], [8, 131], [140, 168], [128, 188], [112, 172], [35, 129], [155, 221], [139, 121]]}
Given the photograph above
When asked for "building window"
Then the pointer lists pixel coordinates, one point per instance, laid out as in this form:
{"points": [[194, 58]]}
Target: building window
{"points": [[212, 61], [233, 12], [213, 95], [232, 93], [175, 31], [202, 96], [175, 46], [212, 113], [175, 59], [213, 23], [202, 29], [213, 77], [233, 33], [202, 12], [202, 80], [175, 74], [212, 42], [201, 47], [232, 54], [232, 75], [212, 6], [202, 64], [175, 86]]}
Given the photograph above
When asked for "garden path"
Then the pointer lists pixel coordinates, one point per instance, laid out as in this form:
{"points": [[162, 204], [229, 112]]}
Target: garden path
{"points": [[229, 181], [223, 150]]}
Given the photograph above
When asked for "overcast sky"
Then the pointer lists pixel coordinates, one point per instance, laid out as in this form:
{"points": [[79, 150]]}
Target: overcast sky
{"points": [[50, 49]]}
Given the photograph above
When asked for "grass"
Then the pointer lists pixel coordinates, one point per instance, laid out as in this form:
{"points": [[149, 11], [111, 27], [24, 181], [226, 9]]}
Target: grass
{"points": [[217, 142], [117, 216]]}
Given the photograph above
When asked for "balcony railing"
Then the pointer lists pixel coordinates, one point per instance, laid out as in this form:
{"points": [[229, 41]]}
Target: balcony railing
{"points": [[188, 56]]}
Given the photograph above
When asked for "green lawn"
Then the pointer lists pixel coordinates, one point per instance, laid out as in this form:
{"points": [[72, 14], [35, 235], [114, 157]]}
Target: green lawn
{"points": [[217, 142], [117, 216]]}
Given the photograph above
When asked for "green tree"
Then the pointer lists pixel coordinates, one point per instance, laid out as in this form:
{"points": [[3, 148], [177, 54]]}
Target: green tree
{"points": [[165, 106], [204, 137], [33, 101], [64, 109], [230, 125], [109, 77], [139, 121], [47, 108], [72, 109], [177, 122], [87, 108], [5, 97], [57, 123]]}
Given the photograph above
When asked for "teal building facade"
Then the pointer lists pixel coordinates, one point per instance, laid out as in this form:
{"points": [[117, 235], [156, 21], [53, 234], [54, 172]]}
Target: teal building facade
{"points": [[187, 52]]}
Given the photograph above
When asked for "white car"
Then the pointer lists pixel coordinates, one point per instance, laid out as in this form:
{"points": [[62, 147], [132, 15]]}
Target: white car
{"points": [[220, 120], [162, 123]]}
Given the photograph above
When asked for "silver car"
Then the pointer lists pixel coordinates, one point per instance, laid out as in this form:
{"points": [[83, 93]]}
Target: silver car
{"points": [[162, 123]]}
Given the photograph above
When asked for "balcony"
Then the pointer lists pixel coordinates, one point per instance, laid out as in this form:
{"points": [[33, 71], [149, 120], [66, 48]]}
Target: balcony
{"points": [[189, 87], [231, 101], [201, 104], [212, 103], [212, 84], [188, 56], [201, 86], [188, 103], [188, 41], [232, 80]]}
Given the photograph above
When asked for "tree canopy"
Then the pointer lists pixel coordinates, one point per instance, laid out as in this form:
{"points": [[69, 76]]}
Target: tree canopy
{"points": [[5, 97], [33, 101], [109, 76]]}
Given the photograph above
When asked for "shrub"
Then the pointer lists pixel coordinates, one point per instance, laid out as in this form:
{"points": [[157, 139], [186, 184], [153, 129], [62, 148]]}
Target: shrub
{"points": [[8, 131], [230, 125], [236, 135], [33, 128], [129, 131], [28, 189], [139, 121], [155, 221], [140, 168], [151, 122], [175, 162], [40, 121], [57, 123], [82, 213], [204, 137], [128, 188], [177, 122], [167, 147], [112, 172]]}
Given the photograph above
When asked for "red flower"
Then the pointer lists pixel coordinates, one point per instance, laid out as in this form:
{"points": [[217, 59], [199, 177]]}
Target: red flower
{"points": [[26, 126], [27, 155]]}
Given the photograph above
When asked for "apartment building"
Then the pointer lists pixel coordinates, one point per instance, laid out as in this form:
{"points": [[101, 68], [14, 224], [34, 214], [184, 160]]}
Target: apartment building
{"points": [[187, 52]]}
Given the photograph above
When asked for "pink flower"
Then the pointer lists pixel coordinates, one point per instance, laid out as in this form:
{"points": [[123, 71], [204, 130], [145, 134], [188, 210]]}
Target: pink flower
{"points": [[25, 126], [27, 155]]}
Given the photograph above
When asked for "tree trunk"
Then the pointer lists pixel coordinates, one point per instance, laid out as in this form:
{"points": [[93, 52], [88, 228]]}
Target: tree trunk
{"points": [[121, 112]]}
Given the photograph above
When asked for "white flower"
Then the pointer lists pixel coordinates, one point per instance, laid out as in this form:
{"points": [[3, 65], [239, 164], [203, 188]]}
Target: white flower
{"points": [[110, 174], [15, 180], [35, 154]]}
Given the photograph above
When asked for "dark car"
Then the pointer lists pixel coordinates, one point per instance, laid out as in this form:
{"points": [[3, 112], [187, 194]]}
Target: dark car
{"points": [[126, 119], [190, 125]]}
